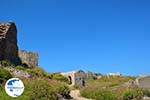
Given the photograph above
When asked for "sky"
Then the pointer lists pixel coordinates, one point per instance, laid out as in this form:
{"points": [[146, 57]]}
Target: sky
{"points": [[92, 35]]}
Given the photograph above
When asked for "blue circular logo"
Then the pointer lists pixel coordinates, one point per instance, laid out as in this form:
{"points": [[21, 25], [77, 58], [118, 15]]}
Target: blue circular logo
{"points": [[14, 87]]}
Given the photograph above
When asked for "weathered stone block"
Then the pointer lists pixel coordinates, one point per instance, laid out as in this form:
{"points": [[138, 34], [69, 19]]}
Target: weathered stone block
{"points": [[143, 81], [29, 58]]}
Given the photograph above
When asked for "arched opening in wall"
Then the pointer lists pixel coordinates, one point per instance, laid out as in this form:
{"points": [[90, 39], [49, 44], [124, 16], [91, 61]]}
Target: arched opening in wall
{"points": [[82, 82], [25, 65], [70, 80]]}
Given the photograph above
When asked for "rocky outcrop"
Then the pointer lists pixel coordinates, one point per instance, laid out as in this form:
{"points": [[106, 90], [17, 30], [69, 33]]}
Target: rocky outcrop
{"points": [[9, 50], [18, 73], [8, 43]]}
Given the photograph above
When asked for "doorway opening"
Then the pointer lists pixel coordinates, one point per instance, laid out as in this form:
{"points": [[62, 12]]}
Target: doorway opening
{"points": [[70, 80]]}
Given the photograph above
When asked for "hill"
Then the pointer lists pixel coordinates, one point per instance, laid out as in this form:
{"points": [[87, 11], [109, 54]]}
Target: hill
{"points": [[39, 85], [114, 88]]}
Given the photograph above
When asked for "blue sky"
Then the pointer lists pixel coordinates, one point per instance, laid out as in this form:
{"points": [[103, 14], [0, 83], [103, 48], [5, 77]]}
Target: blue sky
{"points": [[97, 35]]}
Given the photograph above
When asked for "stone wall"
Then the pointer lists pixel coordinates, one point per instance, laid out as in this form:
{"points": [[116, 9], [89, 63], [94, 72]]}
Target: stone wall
{"points": [[8, 43], [80, 78], [76, 78], [29, 58], [90, 75], [9, 49], [143, 81]]}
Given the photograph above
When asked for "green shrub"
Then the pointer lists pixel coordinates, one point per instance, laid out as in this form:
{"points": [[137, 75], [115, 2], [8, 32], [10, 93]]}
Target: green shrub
{"points": [[146, 92], [37, 72], [45, 90], [49, 75], [42, 90], [99, 94], [105, 88], [39, 89], [4, 63], [4, 96], [136, 94], [62, 89], [4, 75], [59, 77], [20, 68]]}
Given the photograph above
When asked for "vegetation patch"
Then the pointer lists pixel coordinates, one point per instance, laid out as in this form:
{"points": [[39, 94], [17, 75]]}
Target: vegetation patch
{"points": [[113, 88], [40, 89], [4, 75]]}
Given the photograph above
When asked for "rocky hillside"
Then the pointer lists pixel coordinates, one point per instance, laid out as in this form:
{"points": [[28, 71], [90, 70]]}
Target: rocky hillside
{"points": [[39, 85]]}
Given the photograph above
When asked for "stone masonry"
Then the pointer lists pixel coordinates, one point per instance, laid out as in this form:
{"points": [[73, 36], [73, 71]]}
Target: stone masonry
{"points": [[8, 43], [76, 78], [29, 58], [9, 49], [143, 81]]}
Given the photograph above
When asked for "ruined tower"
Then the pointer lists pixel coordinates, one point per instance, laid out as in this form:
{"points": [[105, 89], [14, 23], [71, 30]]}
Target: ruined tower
{"points": [[9, 49], [8, 43]]}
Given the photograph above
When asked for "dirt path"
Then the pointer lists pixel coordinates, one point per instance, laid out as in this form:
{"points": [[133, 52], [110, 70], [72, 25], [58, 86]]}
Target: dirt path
{"points": [[76, 95]]}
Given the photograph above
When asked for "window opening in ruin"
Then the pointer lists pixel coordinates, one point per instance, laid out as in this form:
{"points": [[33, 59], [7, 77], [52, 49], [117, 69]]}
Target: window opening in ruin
{"points": [[83, 82], [70, 79]]}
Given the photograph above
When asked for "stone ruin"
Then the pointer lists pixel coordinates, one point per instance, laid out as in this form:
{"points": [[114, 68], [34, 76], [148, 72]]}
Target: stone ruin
{"points": [[9, 49], [29, 58], [143, 81], [8, 43], [114, 74], [76, 78]]}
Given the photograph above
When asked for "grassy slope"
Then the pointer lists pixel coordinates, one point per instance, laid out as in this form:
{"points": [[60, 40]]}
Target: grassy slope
{"points": [[113, 88], [42, 85]]}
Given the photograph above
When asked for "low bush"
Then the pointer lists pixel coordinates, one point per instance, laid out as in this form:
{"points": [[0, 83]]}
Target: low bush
{"points": [[99, 94], [4, 75], [62, 89], [37, 72], [113, 88], [136, 94], [4, 63], [42, 90], [59, 77], [20, 67], [48, 90], [39, 89]]}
